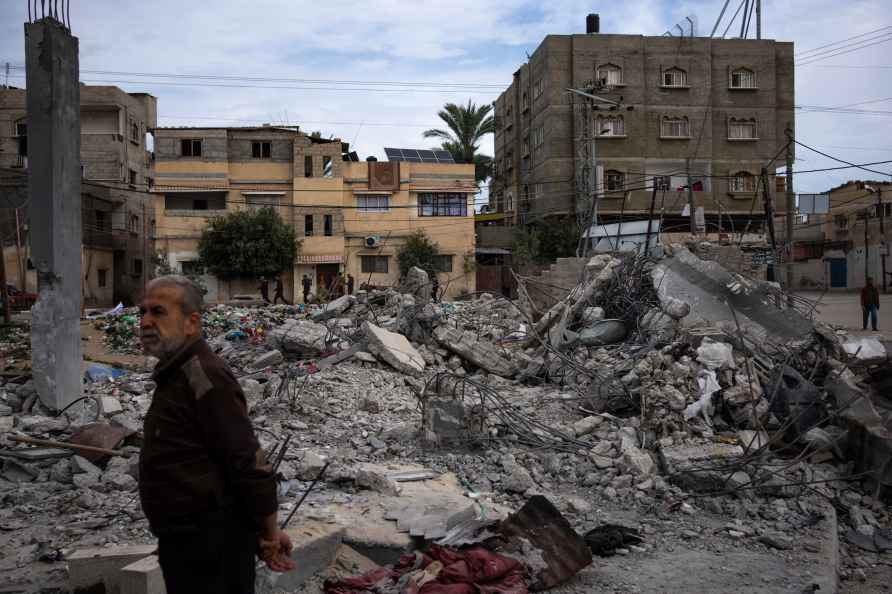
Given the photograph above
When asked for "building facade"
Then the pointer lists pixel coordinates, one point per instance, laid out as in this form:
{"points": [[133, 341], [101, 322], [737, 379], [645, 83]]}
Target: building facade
{"points": [[116, 205], [350, 216], [840, 249], [685, 112]]}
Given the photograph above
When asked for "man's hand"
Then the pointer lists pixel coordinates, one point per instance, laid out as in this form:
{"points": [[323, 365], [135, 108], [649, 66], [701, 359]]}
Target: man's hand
{"points": [[275, 550]]}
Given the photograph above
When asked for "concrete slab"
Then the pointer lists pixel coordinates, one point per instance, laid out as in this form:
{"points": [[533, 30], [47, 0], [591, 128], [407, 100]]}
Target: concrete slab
{"points": [[394, 349], [143, 577], [316, 545], [88, 568]]}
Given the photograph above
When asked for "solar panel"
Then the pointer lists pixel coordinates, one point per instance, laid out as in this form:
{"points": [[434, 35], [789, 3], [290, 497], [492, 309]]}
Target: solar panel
{"points": [[418, 155]]}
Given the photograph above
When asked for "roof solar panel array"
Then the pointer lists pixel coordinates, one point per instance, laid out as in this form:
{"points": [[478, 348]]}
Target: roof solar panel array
{"points": [[418, 155]]}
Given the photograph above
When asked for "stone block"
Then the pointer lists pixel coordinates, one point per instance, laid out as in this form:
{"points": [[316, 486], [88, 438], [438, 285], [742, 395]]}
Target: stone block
{"points": [[268, 359], [394, 349], [110, 405], [315, 547], [143, 577], [482, 354], [97, 567]]}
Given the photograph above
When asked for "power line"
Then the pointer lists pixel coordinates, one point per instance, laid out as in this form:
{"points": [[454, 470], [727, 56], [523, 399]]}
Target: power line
{"points": [[845, 51], [802, 53], [837, 159]]}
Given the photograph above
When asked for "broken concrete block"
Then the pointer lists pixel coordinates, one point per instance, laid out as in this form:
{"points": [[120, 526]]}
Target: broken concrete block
{"points": [[394, 349], [681, 457], [100, 567], [335, 308], [376, 481], [482, 354], [268, 359], [603, 333], [866, 350], [301, 337], [417, 284], [315, 547], [80, 465], [143, 577], [587, 425], [637, 461], [310, 465], [109, 405], [518, 479]]}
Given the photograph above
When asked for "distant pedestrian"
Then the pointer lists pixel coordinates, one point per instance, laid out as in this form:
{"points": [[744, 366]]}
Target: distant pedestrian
{"points": [[435, 287], [870, 303], [280, 292], [350, 284], [264, 289], [307, 282]]}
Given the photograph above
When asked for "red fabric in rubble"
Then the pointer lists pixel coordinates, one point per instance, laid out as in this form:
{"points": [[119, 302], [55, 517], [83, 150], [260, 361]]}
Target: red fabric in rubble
{"points": [[471, 571]]}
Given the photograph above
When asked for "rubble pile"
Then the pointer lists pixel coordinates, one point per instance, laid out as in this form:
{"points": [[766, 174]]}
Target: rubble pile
{"points": [[703, 408]]}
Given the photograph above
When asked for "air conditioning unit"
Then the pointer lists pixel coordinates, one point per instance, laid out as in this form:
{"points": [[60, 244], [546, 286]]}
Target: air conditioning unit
{"points": [[372, 241]]}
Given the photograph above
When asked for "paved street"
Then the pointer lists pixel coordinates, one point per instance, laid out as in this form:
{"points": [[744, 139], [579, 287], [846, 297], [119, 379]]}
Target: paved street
{"points": [[844, 309]]}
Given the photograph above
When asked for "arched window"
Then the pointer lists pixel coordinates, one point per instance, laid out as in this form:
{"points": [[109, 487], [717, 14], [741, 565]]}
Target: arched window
{"points": [[675, 77], [674, 127], [610, 74], [742, 129], [614, 180], [509, 202], [743, 78], [742, 181], [610, 126]]}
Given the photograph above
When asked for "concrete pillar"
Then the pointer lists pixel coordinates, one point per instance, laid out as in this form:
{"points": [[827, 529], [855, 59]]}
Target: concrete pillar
{"points": [[54, 186]]}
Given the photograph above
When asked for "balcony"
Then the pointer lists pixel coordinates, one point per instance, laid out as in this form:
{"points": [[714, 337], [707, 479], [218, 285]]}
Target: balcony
{"points": [[20, 162]]}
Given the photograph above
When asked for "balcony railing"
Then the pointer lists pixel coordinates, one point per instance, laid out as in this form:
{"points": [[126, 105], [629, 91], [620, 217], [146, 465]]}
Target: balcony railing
{"points": [[21, 162]]}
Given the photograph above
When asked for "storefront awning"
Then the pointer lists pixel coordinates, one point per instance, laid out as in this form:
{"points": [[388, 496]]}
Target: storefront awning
{"points": [[332, 259]]}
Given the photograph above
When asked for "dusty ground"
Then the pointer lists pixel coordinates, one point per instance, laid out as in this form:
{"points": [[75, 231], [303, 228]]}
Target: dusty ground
{"points": [[844, 309]]}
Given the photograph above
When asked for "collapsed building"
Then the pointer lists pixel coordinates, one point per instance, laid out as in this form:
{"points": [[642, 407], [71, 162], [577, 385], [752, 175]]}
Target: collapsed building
{"points": [[663, 410]]}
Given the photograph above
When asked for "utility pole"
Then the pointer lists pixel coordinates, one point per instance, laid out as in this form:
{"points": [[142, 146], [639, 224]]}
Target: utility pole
{"points": [[650, 218], [884, 245], [691, 198], [4, 290], [790, 199], [866, 246], [18, 253], [758, 19], [769, 218]]}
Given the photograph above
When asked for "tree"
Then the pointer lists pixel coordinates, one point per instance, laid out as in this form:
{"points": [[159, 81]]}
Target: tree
{"points": [[161, 267], [248, 244], [418, 250], [467, 125], [524, 247]]}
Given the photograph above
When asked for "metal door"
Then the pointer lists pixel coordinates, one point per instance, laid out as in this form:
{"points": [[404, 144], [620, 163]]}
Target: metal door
{"points": [[838, 272]]}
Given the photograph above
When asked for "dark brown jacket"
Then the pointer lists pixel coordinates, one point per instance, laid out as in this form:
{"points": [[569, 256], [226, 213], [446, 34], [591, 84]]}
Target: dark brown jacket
{"points": [[870, 296], [200, 452]]}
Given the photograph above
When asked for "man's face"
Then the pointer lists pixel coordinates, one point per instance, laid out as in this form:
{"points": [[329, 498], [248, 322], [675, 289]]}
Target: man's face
{"points": [[164, 328]]}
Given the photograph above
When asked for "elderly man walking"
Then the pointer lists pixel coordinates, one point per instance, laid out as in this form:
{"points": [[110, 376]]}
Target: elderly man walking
{"points": [[870, 303], [206, 488]]}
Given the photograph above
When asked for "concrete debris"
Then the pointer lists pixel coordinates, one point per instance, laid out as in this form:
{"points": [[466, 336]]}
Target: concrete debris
{"points": [[651, 379]]}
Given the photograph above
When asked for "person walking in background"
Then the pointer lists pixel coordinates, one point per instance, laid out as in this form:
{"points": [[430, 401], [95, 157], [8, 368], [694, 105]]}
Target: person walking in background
{"points": [[306, 282], [264, 289], [351, 282], [280, 292], [435, 287], [870, 303]]}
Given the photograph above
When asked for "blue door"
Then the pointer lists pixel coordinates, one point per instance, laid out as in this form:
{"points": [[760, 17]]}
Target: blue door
{"points": [[838, 272]]}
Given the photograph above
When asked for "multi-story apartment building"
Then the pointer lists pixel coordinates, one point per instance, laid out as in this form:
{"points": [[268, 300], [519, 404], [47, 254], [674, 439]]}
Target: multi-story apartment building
{"points": [[839, 249], [350, 216], [116, 207], [687, 111]]}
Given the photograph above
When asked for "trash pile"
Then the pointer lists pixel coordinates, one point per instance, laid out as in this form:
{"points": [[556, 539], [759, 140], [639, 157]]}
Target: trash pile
{"points": [[662, 404]]}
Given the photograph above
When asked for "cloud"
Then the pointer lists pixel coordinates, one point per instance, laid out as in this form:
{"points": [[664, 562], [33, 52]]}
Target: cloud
{"points": [[460, 41]]}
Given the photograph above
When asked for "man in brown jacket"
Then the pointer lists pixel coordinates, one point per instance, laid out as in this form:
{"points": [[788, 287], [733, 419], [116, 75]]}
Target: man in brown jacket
{"points": [[870, 303], [204, 482]]}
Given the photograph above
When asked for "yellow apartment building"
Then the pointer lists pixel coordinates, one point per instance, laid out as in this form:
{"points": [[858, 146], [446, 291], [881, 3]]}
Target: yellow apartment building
{"points": [[350, 216]]}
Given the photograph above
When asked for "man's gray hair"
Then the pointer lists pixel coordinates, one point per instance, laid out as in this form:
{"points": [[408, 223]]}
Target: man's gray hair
{"points": [[192, 299]]}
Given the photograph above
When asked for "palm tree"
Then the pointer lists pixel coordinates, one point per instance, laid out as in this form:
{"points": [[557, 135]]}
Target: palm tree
{"points": [[467, 125]]}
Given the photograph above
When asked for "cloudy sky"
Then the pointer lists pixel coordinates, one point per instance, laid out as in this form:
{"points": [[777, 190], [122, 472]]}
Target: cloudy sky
{"points": [[459, 48]]}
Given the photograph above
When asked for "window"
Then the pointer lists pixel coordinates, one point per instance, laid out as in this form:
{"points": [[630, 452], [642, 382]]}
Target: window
{"points": [[538, 192], [615, 180], [195, 201], [663, 182], [610, 75], [442, 263], [326, 225], [132, 177], [133, 224], [326, 167], [308, 225], [373, 202], [672, 127], [539, 136], [190, 147], [525, 147], [261, 149], [191, 268], [199, 204], [509, 202], [374, 264], [538, 86], [780, 183], [741, 129], [884, 209], [308, 166], [743, 78], [675, 77], [101, 220], [102, 277], [21, 133], [257, 202], [137, 267], [134, 131], [743, 181], [524, 101], [841, 221], [610, 126], [442, 204]]}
